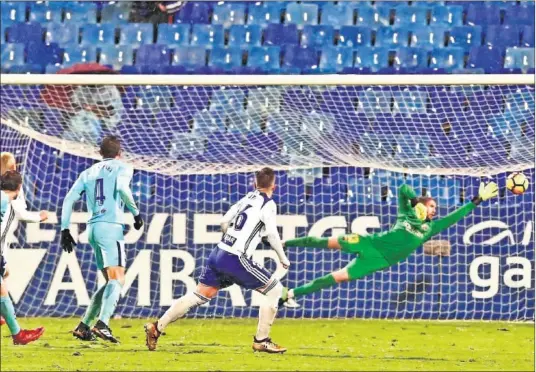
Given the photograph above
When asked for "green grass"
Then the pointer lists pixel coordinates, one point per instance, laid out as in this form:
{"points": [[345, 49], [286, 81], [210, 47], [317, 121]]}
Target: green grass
{"points": [[313, 345]]}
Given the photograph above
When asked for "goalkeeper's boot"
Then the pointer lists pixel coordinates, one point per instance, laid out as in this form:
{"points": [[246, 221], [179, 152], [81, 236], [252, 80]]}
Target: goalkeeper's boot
{"points": [[82, 332], [287, 301], [101, 330], [2, 321], [151, 335], [267, 346], [25, 336]]}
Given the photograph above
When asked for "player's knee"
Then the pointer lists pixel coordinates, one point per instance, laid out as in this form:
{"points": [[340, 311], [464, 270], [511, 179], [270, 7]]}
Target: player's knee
{"points": [[3, 289], [274, 294], [6, 272], [206, 291]]}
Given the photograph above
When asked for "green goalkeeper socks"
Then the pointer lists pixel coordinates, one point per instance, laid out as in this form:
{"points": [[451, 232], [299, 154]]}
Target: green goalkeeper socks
{"points": [[308, 241], [94, 307], [8, 312], [314, 286]]}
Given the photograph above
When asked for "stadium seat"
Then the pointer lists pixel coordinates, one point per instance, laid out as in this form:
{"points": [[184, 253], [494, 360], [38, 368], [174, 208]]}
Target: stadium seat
{"points": [[25, 33], [116, 55], [355, 36], [465, 37], [447, 16], [153, 55], [204, 122], [98, 34], [483, 14], [392, 37], [408, 102], [410, 58], [335, 59], [520, 15], [75, 54], [228, 14], [447, 58], [53, 69], [336, 16], [136, 34], [225, 58], [502, 36], [13, 11], [82, 13], [27, 68], [527, 37], [115, 13], [373, 17], [298, 57], [265, 58], [62, 33], [372, 102], [317, 36], [264, 13], [194, 12], [302, 14], [41, 54], [371, 58], [207, 35], [428, 37], [45, 12], [11, 55], [189, 57], [276, 34], [490, 59], [245, 36], [522, 58], [173, 35], [411, 16]]}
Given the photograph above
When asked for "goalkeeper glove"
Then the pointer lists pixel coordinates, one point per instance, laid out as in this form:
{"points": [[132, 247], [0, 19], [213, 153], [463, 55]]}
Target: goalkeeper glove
{"points": [[421, 211], [67, 241], [138, 222], [486, 191]]}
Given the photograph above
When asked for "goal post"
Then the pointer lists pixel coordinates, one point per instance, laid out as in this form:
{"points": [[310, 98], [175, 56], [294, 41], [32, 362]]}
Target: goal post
{"points": [[342, 145]]}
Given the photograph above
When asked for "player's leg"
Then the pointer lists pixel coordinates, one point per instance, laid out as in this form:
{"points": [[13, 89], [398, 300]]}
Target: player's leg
{"points": [[6, 274]]}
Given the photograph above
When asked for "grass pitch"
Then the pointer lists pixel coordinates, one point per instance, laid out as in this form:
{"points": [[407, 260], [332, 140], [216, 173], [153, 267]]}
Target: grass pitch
{"points": [[216, 344]]}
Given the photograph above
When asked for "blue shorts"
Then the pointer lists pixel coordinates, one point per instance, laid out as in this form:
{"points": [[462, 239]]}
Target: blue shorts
{"points": [[108, 242], [224, 269]]}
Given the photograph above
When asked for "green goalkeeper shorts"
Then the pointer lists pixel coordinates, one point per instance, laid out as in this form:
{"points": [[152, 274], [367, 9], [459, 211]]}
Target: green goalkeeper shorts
{"points": [[369, 260]]}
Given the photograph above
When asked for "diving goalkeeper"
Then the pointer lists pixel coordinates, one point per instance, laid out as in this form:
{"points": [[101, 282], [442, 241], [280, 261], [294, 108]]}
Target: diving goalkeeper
{"points": [[413, 227]]}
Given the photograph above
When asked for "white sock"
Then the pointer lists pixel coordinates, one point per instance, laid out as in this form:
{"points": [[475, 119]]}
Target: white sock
{"points": [[290, 293], [180, 307], [268, 311]]}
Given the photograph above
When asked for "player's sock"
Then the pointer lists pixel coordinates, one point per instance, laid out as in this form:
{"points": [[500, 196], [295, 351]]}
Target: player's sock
{"points": [[8, 312], [308, 241], [180, 307], [94, 307], [267, 311], [314, 286], [110, 297]]}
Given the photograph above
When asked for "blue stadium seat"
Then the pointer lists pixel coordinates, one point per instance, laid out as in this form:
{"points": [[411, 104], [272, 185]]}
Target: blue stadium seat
{"points": [[527, 37], [465, 37], [194, 12], [302, 14], [27, 68], [13, 11], [228, 14], [408, 102], [115, 13], [4, 25], [173, 35], [62, 33], [522, 58], [490, 59], [372, 102], [11, 55], [25, 33], [53, 69], [336, 16], [98, 34], [75, 54], [355, 36], [373, 17], [392, 37], [393, 5], [189, 57], [411, 58], [204, 122], [428, 37], [447, 58], [264, 13], [116, 55], [245, 36], [317, 36], [520, 15], [135, 34], [265, 58], [225, 58], [299, 57], [447, 16], [82, 13], [411, 16], [41, 54], [502, 36], [483, 14], [153, 55], [45, 12], [276, 34], [207, 35], [371, 58], [336, 59]]}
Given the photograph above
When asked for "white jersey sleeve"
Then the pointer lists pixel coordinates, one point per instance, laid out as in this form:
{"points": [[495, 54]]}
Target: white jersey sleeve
{"points": [[269, 218], [20, 209]]}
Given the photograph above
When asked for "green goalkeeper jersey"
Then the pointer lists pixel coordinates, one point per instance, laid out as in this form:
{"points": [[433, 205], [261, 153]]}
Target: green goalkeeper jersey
{"points": [[409, 233]]}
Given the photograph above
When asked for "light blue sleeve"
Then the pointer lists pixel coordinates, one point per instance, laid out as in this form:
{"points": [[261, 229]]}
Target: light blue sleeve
{"points": [[123, 188], [72, 197]]}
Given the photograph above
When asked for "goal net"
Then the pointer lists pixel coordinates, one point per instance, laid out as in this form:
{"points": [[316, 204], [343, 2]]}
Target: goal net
{"points": [[342, 145]]}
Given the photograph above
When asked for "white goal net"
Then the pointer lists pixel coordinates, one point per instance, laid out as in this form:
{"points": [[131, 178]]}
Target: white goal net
{"points": [[341, 145]]}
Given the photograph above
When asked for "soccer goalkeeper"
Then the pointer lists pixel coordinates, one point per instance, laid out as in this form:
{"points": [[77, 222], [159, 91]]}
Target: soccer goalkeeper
{"points": [[413, 227]]}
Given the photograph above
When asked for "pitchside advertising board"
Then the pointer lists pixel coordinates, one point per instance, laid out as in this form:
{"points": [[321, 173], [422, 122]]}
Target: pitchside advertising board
{"points": [[488, 275]]}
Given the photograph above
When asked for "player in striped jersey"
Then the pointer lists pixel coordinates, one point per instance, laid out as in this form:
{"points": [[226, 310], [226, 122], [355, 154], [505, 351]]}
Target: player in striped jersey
{"points": [[243, 226], [10, 185]]}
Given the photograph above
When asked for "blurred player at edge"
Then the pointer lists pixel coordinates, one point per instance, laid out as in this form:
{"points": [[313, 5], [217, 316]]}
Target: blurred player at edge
{"points": [[107, 188], [10, 185], [413, 227], [243, 226], [17, 209]]}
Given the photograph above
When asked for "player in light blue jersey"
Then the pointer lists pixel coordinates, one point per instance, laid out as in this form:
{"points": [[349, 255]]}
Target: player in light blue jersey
{"points": [[107, 189]]}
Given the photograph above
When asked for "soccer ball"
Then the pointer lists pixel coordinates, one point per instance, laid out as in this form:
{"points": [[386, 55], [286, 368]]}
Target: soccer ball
{"points": [[517, 183]]}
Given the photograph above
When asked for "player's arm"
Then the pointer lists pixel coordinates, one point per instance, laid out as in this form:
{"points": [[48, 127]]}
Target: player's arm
{"points": [[123, 188], [21, 212], [268, 217], [407, 199], [74, 194], [228, 217]]}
